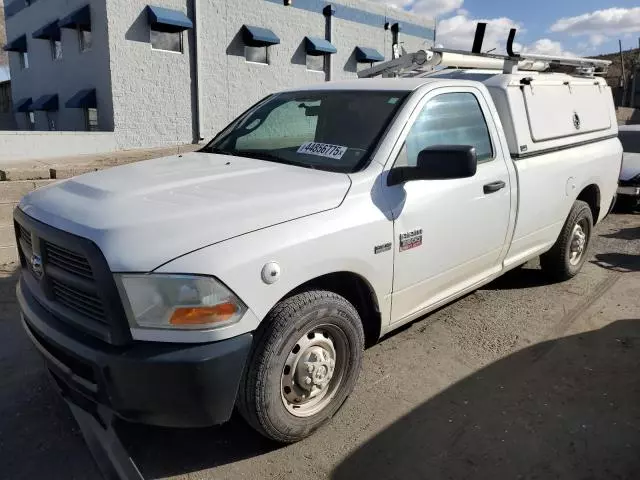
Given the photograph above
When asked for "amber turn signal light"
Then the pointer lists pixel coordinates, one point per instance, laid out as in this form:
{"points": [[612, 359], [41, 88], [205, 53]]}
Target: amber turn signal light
{"points": [[203, 315]]}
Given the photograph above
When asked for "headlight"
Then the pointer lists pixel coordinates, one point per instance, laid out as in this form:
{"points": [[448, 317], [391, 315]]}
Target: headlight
{"points": [[178, 302]]}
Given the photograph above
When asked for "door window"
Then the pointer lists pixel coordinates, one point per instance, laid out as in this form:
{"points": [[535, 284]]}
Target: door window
{"points": [[450, 119]]}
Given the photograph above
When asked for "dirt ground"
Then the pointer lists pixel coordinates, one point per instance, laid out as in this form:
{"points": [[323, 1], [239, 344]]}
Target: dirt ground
{"points": [[521, 379]]}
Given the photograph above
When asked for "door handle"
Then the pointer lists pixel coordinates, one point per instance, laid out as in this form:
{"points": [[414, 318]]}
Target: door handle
{"points": [[494, 186]]}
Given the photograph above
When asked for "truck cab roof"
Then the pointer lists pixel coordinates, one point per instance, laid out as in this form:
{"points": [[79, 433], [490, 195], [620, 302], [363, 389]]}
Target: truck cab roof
{"points": [[379, 84]]}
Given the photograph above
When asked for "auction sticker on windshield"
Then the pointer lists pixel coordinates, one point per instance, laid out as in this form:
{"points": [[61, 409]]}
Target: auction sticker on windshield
{"points": [[323, 150]]}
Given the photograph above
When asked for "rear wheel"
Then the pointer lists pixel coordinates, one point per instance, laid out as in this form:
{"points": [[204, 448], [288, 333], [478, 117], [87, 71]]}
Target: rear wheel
{"points": [[568, 254], [305, 363]]}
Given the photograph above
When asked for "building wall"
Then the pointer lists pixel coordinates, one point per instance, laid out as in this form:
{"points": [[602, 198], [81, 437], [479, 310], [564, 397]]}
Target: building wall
{"points": [[154, 91], [148, 97], [230, 84], [75, 71]]}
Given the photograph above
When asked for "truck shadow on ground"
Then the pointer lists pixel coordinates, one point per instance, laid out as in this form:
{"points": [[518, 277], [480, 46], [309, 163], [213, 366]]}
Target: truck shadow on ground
{"points": [[567, 408], [160, 452], [631, 233], [618, 262]]}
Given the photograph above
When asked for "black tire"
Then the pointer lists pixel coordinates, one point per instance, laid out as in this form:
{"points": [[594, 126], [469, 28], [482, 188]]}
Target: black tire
{"points": [[556, 262], [260, 397]]}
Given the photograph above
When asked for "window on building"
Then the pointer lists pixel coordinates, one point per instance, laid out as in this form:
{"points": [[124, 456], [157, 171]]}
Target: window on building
{"points": [[86, 40], [450, 119], [316, 63], [256, 54], [52, 123], [24, 60], [31, 120], [91, 119], [56, 49], [168, 41]]}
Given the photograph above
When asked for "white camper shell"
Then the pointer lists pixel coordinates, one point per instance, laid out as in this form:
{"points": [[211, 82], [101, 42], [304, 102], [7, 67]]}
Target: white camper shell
{"points": [[546, 112]]}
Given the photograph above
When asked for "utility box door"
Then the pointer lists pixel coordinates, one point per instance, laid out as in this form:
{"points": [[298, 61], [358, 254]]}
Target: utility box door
{"points": [[558, 110]]}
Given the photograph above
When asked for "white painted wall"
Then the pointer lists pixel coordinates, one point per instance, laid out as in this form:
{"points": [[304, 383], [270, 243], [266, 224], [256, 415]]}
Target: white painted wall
{"points": [[154, 93], [148, 97], [16, 146]]}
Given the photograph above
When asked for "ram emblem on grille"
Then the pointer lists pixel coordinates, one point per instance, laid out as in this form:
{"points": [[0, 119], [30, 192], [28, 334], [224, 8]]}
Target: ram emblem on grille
{"points": [[36, 266]]}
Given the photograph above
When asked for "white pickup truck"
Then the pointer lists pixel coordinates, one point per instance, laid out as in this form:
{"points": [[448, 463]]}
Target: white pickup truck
{"points": [[253, 272]]}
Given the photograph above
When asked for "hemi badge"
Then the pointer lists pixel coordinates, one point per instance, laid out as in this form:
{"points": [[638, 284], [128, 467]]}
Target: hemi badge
{"points": [[382, 248]]}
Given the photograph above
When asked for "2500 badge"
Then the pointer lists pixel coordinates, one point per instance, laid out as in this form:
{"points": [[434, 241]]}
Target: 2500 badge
{"points": [[412, 239]]}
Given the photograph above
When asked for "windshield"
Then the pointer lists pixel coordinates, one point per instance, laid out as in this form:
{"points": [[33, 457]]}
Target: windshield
{"points": [[328, 130]]}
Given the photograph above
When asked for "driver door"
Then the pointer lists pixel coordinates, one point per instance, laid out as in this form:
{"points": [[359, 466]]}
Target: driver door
{"points": [[450, 233]]}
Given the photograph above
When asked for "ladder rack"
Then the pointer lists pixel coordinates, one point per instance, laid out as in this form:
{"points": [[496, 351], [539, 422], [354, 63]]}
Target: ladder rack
{"points": [[424, 62]]}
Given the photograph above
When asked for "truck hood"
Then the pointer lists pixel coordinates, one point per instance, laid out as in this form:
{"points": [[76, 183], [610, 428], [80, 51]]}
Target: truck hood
{"points": [[145, 214], [630, 165]]}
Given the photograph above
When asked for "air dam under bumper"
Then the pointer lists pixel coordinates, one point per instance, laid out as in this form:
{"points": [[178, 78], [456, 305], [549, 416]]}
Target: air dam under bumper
{"points": [[172, 385]]}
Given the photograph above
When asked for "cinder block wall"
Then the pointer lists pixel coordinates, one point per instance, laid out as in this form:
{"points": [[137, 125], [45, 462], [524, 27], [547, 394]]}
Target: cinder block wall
{"points": [[154, 94], [148, 97]]}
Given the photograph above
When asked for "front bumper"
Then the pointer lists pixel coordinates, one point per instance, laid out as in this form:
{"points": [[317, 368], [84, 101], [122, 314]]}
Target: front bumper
{"points": [[173, 385]]}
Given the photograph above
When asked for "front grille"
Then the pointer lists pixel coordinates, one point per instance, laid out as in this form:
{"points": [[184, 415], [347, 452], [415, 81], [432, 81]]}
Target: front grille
{"points": [[84, 303], [68, 261], [73, 281], [26, 236]]}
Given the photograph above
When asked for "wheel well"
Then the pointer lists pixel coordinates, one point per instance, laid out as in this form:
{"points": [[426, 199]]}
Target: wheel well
{"points": [[591, 195], [357, 291]]}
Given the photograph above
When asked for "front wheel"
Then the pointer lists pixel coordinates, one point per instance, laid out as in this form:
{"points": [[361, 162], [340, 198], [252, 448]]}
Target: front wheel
{"points": [[305, 362], [568, 254]]}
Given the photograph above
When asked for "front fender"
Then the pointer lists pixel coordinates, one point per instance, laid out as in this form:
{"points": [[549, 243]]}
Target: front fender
{"points": [[340, 240]]}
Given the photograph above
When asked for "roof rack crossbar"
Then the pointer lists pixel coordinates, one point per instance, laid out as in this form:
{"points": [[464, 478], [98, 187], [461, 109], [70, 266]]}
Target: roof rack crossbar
{"points": [[425, 61]]}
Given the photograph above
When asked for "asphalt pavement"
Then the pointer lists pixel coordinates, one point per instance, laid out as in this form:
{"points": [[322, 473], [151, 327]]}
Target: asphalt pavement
{"points": [[520, 379]]}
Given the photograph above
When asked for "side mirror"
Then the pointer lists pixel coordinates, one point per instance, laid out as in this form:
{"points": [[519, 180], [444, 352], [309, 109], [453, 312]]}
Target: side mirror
{"points": [[440, 162]]}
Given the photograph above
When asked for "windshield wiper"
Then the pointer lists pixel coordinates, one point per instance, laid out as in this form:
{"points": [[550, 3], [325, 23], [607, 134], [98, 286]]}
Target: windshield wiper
{"points": [[220, 151], [270, 157]]}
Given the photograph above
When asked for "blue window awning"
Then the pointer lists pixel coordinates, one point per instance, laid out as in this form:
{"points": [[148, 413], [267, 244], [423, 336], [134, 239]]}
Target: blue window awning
{"points": [[319, 46], [17, 45], [368, 55], [48, 32], [83, 99], [258, 36], [23, 105], [166, 20], [80, 19], [46, 102]]}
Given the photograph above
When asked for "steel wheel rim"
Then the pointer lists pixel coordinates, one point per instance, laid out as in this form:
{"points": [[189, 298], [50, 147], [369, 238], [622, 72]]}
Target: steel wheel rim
{"points": [[578, 242], [314, 370]]}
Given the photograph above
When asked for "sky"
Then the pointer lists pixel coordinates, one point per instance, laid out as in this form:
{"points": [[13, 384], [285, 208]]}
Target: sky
{"points": [[553, 27]]}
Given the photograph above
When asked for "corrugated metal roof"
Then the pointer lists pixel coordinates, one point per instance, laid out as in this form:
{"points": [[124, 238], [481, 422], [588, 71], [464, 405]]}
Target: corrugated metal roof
{"points": [[4, 73]]}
